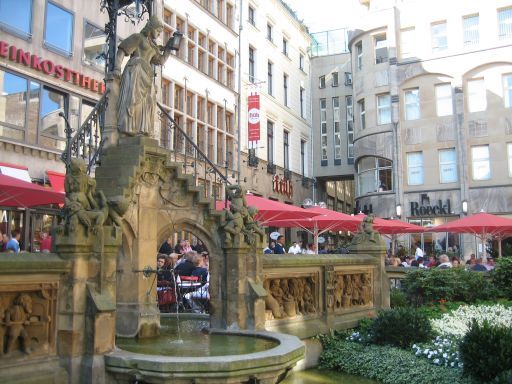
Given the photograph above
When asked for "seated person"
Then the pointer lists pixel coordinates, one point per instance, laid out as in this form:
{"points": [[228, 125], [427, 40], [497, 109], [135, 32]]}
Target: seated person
{"points": [[198, 299], [199, 270], [163, 274], [186, 267], [166, 247]]}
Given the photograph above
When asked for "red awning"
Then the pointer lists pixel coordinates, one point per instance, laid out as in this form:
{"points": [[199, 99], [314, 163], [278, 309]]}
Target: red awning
{"points": [[18, 193], [56, 180], [482, 224]]}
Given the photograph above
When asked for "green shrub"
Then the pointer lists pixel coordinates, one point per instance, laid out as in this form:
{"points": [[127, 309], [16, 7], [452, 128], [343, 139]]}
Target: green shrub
{"points": [[423, 286], [398, 298], [502, 276], [400, 327], [386, 364], [486, 351]]}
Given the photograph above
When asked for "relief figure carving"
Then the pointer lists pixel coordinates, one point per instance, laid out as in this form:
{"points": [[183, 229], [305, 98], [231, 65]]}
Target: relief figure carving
{"points": [[17, 317]]}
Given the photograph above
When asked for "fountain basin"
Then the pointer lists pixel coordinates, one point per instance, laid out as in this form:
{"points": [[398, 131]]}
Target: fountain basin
{"points": [[266, 366]]}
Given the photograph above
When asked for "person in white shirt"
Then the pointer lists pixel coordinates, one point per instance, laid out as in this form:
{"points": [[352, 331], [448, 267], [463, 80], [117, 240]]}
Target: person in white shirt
{"points": [[419, 251], [295, 248]]}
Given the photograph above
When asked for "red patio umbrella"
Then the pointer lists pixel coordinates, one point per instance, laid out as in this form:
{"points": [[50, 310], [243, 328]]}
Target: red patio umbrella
{"points": [[19, 193], [269, 210], [483, 225]]}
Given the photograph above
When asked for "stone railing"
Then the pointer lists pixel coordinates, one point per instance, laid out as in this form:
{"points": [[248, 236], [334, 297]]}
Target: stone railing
{"points": [[310, 294], [396, 275]]}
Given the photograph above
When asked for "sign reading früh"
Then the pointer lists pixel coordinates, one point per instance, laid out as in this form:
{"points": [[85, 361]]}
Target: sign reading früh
{"points": [[254, 118]]}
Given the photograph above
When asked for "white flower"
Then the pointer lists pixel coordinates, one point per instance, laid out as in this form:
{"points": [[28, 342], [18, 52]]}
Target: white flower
{"points": [[436, 361]]}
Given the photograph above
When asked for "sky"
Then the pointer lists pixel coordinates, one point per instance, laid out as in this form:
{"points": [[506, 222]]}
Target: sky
{"points": [[324, 15]]}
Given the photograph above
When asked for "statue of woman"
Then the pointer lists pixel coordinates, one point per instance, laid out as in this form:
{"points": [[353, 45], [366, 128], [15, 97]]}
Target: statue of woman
{"points": [[137, 94]]}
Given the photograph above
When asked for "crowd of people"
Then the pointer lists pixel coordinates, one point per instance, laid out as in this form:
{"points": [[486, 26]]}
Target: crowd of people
{"points": [[12, 243], [278, 247], [442, 261], [182, 276]]}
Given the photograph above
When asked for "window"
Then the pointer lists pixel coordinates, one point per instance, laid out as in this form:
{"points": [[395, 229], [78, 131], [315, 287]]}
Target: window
{"points": [[444, 100], [439, 36], [381, 49], [301, 62], [374, 174], [348, 78], [359, 52], [507, 90], [285, 89], [470, 25], [509, 151], [302, 157], [17, 16], [412, 104], [301, 97], [505, 23], [337, 127], [350, 129], [480, 162], [251, 14], [270, 85], [407, 43], [286, 150], [476, 95], [58, 33], [447, 165], [53, 102], [321, 82], [285, 46], [270, 142], [383, 109], [323, 128], [95, 48], [415, 168], [335, 79], [13, 105], [362, 114], [269, 32], [251, 65]]}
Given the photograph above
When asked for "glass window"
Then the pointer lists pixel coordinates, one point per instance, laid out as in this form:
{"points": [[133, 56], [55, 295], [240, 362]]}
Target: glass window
{"points": [[509, 152], [270, 142], [301, 61], [303, 157], [470, 25], [415, 168], [412, 104], [95, 46], [337, 127], [359, 52], [444, 100], [269, 77], [58, 32], [374, 175], [481, 162], [252, 19], [285, 46], [286, 152], [321, 82], [383, 109], [476, 95], [505, 23], [52, 103], [251, 65], [448, 165], [507, 90], [269, 32], [17, 15], [350, 129], [13, 99], [301, 99], [407, 43], [362, 114], [439, 36], [381, 49], [285, 89], [323, 128], [335, 79]]}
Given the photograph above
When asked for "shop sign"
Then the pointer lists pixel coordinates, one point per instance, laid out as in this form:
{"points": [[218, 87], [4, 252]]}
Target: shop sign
{"points": [[49, 68], [282, 186], [426, 209]]}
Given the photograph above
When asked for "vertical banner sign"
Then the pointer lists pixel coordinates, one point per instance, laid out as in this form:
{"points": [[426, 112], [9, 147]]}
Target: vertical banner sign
{"points": [[253, 119]]}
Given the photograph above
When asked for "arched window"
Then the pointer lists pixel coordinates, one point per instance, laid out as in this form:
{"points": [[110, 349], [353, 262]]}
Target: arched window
{"points": [[374, 175]]}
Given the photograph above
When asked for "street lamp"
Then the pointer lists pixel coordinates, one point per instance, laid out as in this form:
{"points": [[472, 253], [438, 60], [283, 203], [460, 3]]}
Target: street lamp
{"points": [[398, 210], [464, 207], [175, 41]]}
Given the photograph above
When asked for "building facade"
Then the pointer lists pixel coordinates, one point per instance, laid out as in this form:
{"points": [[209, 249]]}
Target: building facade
{"points": [[432, 112]]}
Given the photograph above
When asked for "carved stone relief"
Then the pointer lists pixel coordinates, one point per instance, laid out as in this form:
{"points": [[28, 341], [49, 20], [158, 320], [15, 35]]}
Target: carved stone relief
{"points": [[27, 319], [351, 289], [291, 297]]}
